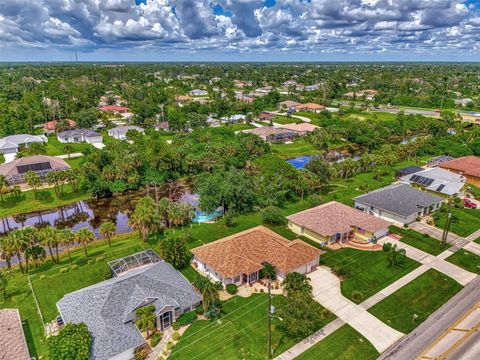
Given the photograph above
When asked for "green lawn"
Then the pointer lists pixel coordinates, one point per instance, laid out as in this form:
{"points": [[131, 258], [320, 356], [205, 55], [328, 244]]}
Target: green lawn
{"points": [[46, 199], [422, 297], [298, 148], [477, 240], [75, 162], [464, 221], [280, 119], [55, 147], [239, 127], [343, 344], [363, 271], [466, 260], [239, 334], [420, 241]]}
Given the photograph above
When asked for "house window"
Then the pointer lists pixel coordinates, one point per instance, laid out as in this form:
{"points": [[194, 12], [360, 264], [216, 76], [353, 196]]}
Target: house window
{"points": [[236, 279], [252, 277]]}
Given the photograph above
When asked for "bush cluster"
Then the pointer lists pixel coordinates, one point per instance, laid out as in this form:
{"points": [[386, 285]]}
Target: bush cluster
{"points": [[232, 289]]}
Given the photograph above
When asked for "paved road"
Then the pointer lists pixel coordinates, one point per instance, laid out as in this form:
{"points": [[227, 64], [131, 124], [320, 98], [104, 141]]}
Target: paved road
{"points": [[415, 342]]}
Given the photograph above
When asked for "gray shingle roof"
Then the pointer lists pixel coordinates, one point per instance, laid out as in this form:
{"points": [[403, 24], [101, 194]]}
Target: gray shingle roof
{"points": [[108, 307], [79, 132], [400, 199]]}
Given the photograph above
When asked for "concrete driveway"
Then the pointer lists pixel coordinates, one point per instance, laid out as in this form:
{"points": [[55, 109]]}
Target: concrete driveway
{"points": [[326, 291]]}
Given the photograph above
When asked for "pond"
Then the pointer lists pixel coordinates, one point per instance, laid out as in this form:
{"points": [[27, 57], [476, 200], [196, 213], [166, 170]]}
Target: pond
{"points": [[92, 213]]}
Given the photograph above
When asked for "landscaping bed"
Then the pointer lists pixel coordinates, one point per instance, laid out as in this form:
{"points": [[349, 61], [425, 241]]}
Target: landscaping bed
{"points": [[365, 273], [422, 297], [343, 344], [466, 260]]}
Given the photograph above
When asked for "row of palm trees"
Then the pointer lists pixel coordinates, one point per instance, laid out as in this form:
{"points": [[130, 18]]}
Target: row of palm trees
{"points": [[29, 244], [57, 179]]}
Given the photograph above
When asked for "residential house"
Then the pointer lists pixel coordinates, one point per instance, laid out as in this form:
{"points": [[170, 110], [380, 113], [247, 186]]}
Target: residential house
{"points": [[15, 170], [312, 87], [115, 109], [51, 126], [120, 132], [436, 180], [198, 92], [244, 98], [288, 104], [409, 170], [234, 118], [182, 98], [11, 145], [301, 129], [463, 102], [109, 307], [273, 134], [162, 126], [335, 222], [438, 160], [13, 345], [468, 166], [238, 259], [369, 94], [310, 107], [264, 90], [265, 116], [399, 203], [80, 135]]}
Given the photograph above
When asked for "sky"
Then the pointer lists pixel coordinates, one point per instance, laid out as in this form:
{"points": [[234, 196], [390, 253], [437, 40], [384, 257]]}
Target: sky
{"points": [[240, 30]]}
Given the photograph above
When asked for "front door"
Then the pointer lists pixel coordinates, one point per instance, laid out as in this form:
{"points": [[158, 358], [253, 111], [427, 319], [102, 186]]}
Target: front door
{"points": [[165, 320]]}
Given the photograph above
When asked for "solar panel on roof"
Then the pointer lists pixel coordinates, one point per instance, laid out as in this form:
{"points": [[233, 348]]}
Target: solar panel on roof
{"points": [[440, 188]]}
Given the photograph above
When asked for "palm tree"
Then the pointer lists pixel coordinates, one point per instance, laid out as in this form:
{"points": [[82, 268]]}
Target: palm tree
{"points": [[67, 239], [35, 253], [84, 236], [47, 238], [68, 149], [107, 230], [6, 250], [146, 318], [36, 148], [144, 217], [18, 245], [270, 272], [4, 189], [396, 255], [73, 178], [207, 289], [296, 282], [30, 239], [33, 180]]}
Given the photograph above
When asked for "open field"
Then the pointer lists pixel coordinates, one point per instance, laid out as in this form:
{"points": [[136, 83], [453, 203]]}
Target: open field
{"points": [[364, 273], [420, 241], [239, 334], [422, 297], [344, 344], [466, 260]]}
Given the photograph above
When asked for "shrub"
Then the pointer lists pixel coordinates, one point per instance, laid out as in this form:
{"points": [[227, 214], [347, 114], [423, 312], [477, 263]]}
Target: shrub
{"points": [[155, 339], [165, 352], [341, 271], [316, 200], [273, 215], [229, 219], [324, 314], [43, 277], [357, 296], [99, 259], [386, 247], [170, 345], [160, 358], [63, 270], [186, 318], [175, 336], [199, 310], [107, 273], [74, 267], [175, 326], [141, 353], [232, 289]]}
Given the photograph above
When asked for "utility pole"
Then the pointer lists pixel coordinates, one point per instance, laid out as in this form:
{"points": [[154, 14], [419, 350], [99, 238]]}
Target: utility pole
{"points": [[269, 321], [447, 223]]}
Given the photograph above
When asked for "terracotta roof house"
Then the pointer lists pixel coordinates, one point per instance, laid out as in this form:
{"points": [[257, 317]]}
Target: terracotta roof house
{"points": [[238, 259], [335, 222], [13, 344], [301, 129], [79, 135], [120, 132], [398, 203], [15, 171], [265, 116], [109, 307], [310, 107], [51, 126], [162, 126], [182, 98], [272, 134], [468, 166], [114, 108], [288, 104]]}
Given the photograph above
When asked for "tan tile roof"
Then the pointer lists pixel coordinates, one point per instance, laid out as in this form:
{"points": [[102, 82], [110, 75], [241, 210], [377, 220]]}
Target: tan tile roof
{"points": [[310, 106], [333, 217], [245, 252], [468, 165], [12, 339], [302, 127], [265, 131]]}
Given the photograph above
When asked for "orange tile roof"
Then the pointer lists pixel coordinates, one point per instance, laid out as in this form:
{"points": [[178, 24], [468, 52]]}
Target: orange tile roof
{"points": [[311, 106], [302, 127], [245, 252], [333, 217], [467, 165], [12, 340]]}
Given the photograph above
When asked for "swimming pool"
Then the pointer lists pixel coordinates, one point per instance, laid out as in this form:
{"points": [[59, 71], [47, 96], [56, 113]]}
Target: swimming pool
{"points": [[301, 161]]}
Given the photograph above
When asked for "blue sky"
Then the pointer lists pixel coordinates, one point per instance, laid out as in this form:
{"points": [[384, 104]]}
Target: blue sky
{"points": [[240, 30]]}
